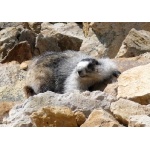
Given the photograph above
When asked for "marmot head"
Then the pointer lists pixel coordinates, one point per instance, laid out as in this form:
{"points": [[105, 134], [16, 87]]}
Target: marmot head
{"points": [[100, 69]]}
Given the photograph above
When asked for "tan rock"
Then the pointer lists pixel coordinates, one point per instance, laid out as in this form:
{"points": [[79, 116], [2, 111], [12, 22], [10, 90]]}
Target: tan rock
{"points": [[24, 65], [136, 43], [128, 63], [123, 109], [134, 84], [54, 117], [100, 118], [139, 121], [5, 106], [21, 52], [80, 117]]}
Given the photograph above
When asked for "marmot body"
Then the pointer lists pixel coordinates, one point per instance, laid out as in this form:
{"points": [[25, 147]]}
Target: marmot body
{"points": [[66, 71]]}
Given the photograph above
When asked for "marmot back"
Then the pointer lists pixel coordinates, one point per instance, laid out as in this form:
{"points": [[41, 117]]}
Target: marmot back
{"points": [[66, 71]]}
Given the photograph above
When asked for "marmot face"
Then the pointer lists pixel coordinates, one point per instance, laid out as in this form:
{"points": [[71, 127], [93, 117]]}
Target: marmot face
{"points": [[87, 68], [98, 69]]}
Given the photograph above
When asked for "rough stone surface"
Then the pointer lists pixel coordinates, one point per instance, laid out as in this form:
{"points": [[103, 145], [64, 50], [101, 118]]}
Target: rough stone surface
{"points": [[100, 118], [128, 63], [8, 39], [139, 121], [76, 101], [57, 37], [92, 46], [134, 84], [54, 117], [4, 109], [112, 34], [21, 52], [35, 26], [136, 43], [29, 36], [12, 81], [80, 117], [123, 109]]}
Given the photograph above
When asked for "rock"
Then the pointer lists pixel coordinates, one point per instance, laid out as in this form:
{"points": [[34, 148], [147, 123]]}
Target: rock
{"points": [[12, 81], [4, 25], [112, 89], [139, 121], [35, 26], [134, 84], [100, 118], [24, 65], [92, 45], [29, 36], [128, 63], [8, 39], [58, 37], [76, 101], [80, 117], [54, 117], [123, 109], [136, 43], [21, 52], [111, 34], [5, 106]]}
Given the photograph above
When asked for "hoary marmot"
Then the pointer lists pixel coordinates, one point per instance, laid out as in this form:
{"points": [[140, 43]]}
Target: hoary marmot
{"points": [[66, 71]]}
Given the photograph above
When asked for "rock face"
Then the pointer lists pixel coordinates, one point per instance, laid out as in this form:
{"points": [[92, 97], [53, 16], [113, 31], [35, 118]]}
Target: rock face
{"points": [[91, 45], [139, 121], [58, 37], [8, 39], [21, 52], [100, 118], [54, 117], [134, 84], [12, 81], [112, 34], [123, 109], [136, 43], [85, 102]]}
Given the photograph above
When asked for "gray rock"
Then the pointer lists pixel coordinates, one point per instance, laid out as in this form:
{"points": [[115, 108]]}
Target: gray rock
{"points": [[12, 81], [139, 121], [76, 101]]}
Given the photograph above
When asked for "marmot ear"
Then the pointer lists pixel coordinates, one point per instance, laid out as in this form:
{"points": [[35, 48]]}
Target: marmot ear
{"points": [[116, 73]]}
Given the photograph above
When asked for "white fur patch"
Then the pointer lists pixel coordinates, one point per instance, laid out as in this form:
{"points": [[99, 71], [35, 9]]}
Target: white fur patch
{"points": [[82, 64]]}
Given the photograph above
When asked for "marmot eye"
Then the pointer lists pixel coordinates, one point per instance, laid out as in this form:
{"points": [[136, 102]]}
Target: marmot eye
{"points": [[90, 66]]}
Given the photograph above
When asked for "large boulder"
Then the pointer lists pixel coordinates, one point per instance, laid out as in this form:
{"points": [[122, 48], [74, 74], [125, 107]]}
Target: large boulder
{"points": [[54, 117], [136, 43], [100, 118], [76, 101], [134, 84], [58, 37], [123, 109]]}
